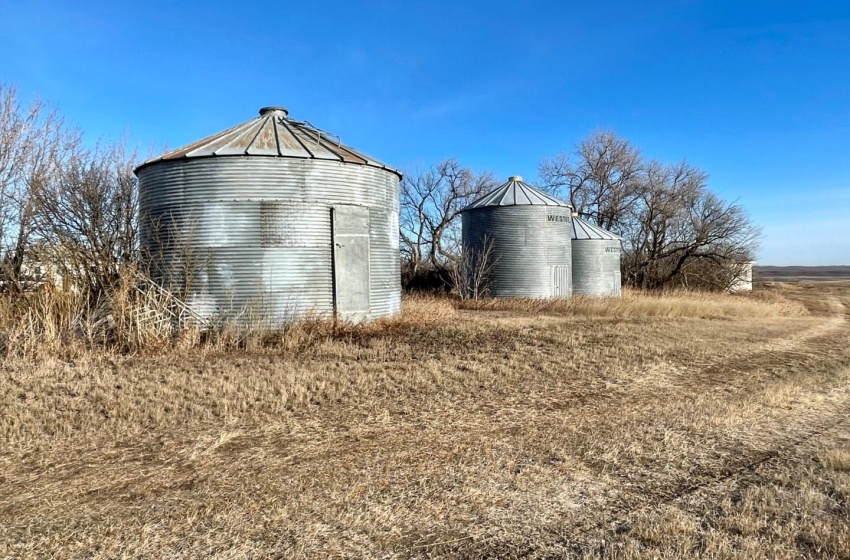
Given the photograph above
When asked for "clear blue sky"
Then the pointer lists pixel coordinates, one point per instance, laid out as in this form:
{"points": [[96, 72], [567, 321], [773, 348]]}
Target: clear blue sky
{"points": [[755, 93]]}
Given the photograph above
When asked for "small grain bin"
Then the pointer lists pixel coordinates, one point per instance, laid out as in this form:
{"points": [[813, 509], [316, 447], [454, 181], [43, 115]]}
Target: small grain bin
{"points": [[525, 230], [596, 260], [273, 218]]}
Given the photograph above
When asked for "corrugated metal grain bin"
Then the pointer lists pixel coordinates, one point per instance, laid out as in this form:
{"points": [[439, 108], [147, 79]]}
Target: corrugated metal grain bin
{"points": [[596, 260], [526, 231], [273, 219]]}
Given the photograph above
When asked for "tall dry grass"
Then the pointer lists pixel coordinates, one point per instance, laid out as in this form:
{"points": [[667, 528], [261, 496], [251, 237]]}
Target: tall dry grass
{"points": [[634, 303], [51, 321], [144, 320]]}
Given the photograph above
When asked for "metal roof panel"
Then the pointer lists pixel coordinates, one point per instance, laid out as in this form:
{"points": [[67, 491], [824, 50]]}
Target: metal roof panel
{"points": [[273, 134], [265, 141], [583, 229], [515, 193]]}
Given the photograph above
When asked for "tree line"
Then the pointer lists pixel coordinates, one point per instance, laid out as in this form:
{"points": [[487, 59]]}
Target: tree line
{"points": [[676, 231]]}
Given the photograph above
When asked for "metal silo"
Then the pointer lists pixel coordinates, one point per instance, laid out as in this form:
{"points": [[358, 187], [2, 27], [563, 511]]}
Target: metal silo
{"points": [[526, 229], [273, 218], [596, 260]]}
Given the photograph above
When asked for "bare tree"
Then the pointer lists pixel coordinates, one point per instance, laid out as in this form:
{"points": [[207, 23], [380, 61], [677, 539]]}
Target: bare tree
{"points": [[601, 181], [672, 224], [86, 217], [472, 270], [678, 222], [431, 201], [728, 275], [35, 143]]}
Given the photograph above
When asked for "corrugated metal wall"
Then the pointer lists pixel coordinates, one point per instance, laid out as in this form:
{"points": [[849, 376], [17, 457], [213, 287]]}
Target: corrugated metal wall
{"points": [[257, 231], [596, 267], [529, 241]]}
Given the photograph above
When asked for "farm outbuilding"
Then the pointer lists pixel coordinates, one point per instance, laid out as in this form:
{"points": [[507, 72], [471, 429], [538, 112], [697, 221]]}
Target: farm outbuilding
{"points": [[743, 277], [525, 234], [275, 219], [595, 260]]}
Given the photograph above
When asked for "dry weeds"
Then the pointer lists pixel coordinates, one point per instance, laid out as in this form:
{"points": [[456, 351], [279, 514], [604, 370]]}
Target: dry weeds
{"points": [[704, 305], [664, 427]]}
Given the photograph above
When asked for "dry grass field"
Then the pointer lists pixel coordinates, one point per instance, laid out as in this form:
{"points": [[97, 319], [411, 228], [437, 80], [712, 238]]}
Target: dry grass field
{"points": [[652, 427]]}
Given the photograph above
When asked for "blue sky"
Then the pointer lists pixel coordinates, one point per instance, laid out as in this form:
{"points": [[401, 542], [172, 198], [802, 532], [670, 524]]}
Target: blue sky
{"points": [[755, 93]]}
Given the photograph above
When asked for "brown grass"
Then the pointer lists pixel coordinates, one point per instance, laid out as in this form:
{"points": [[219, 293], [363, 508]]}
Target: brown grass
{"points": [[703, 305], [653, 427]]}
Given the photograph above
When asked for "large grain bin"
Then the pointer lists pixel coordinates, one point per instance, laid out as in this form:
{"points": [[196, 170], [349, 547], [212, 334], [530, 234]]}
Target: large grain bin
{"points": [[273, 219], [526, 231], [596, 260]]}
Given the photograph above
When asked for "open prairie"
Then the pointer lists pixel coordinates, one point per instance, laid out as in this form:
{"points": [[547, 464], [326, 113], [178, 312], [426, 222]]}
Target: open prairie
{"points": [[648, 427], [801, 273]]}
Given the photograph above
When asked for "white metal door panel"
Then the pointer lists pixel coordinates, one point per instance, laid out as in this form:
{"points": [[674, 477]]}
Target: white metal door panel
{"points": [[560, 281], [351, 262]]}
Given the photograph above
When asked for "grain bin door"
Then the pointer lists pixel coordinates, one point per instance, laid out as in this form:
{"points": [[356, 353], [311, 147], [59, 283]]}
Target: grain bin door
{"points": [[351, 262], [560, 281], [618, 284]]}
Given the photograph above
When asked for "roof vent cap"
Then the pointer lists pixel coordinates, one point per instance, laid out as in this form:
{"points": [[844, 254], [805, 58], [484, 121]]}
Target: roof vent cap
{"points": [[268, 110], [515, 178]]}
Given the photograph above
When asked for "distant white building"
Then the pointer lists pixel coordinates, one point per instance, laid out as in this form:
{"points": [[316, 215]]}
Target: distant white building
{"points": [[743, 280], [37, 270]]}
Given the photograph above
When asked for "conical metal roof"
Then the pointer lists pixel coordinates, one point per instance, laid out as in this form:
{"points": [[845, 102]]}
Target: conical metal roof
{"points": [[515, 193], [272, 134], [585, 230]]}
